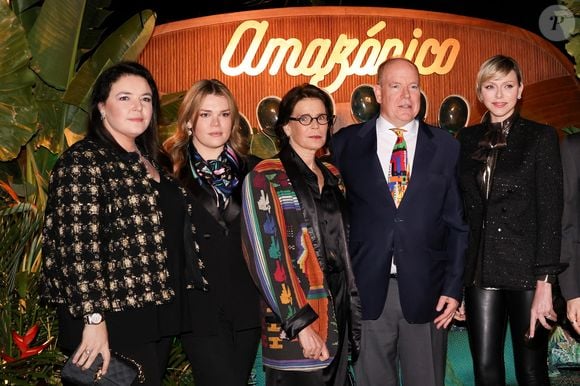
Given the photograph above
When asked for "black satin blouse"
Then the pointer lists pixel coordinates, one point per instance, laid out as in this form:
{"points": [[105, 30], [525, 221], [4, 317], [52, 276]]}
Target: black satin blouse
{"points": [[329, 204]]}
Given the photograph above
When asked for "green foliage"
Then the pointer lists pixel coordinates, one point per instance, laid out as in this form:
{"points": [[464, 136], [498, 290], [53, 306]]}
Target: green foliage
{"points": [[571, 130], [573, 44], [51, 52], [20, 311], [18, 113], [178, 367]]}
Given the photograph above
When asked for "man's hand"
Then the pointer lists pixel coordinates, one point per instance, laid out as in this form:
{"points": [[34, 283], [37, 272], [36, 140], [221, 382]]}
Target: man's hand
{"points": [[447, 306], [573, 311]]}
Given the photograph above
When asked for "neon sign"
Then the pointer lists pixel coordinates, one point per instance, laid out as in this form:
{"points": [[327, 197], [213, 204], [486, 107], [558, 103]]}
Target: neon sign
{"points": [[319, 57]]}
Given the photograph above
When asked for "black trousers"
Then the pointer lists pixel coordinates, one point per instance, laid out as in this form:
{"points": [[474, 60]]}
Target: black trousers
{"points": [[224, 359], [488, 311]]}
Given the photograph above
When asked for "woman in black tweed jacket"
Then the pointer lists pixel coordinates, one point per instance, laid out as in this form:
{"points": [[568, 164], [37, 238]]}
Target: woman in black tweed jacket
{"points": [[511, 179], [119, 246]]}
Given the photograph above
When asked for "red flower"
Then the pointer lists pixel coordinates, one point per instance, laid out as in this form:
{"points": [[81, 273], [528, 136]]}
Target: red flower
{"points": [[23, 344]]}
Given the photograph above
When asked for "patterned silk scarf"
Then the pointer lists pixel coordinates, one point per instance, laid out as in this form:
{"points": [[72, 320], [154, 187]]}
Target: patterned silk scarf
{"points": [[220, 174]]}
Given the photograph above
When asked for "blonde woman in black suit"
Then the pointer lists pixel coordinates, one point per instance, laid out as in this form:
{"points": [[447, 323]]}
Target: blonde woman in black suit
{"points": [[511, 179]]}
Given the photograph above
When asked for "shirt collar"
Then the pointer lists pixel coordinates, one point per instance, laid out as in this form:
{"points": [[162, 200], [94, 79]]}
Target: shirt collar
{"points": [[411, 128], [309, 176]]}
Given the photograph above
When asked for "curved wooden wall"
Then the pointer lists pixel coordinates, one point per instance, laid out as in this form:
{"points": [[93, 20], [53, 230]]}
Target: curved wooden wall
{"points": [[182, 52]]}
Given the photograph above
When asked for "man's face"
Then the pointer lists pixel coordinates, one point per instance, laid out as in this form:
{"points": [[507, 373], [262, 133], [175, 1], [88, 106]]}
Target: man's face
{"points": [[399, 93]]}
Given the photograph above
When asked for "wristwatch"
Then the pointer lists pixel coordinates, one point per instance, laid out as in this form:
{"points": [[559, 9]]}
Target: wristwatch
{"points": [[94, 318], [549, 279]]}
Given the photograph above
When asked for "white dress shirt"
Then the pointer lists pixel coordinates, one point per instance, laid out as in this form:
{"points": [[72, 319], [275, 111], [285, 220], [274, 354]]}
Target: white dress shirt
{"points": [[386, 139]]}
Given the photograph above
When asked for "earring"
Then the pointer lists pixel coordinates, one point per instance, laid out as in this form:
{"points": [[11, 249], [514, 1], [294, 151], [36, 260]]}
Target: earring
{"points": [[102, 115], [520, 97], [189, 132]]}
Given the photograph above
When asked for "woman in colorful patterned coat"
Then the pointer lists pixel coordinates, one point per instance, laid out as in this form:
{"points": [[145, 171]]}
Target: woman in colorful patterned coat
{"points": [[294, 239]]}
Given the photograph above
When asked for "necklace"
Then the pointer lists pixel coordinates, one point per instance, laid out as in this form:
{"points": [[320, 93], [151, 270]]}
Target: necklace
{"points": [[151, 170]]}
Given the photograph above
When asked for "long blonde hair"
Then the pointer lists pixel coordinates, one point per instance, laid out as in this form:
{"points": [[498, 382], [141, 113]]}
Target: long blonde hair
{"points": [[176, 146]]}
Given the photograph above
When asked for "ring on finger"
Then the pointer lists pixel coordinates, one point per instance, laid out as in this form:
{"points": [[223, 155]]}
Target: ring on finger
{"points": [[87, 351]]}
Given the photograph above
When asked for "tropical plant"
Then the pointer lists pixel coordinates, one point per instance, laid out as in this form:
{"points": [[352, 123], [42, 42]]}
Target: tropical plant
{"points": [[573, 44], [51, 52]]}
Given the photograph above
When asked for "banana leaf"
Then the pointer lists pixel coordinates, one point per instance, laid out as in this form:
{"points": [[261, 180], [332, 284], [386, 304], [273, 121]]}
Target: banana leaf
{"points": [[51, 119], [17, 108], [169, 108], [126, 43], [93, 26], [26, 11], [54, 40]]}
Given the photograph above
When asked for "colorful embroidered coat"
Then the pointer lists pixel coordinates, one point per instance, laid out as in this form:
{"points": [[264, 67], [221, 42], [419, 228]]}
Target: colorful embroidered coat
{"points": [[281, 250]]}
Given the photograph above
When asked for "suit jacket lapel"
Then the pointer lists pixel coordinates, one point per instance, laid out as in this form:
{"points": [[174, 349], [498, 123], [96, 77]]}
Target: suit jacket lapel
{"points": [[205, 197], [424, 151], [370, 165]]}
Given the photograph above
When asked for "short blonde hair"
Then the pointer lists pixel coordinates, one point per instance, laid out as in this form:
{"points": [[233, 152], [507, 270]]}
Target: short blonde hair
{"points": [[496, 65]]}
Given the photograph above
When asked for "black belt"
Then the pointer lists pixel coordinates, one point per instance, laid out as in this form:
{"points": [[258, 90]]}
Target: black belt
{"points": [[393, 276]]}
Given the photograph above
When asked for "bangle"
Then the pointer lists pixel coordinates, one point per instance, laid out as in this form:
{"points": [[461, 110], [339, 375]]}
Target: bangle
{"points": [[549, 279]]}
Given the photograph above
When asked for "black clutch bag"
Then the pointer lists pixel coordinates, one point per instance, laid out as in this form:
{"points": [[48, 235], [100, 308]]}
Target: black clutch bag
{"points": [[122, 372]]}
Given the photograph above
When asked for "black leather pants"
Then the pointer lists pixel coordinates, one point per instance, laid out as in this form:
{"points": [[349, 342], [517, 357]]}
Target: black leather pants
{"points": [[488, 312]]}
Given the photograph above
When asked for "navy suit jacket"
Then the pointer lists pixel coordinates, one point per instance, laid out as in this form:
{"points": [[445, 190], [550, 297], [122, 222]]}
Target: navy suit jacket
{"points": [[426, 233]]}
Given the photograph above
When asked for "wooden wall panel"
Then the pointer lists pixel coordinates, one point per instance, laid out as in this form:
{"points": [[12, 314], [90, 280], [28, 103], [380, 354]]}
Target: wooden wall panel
{"points": [[182, 52]]}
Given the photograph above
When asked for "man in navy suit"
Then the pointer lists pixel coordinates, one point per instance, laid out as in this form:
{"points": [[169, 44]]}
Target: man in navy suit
{"points": [[408, 259]]}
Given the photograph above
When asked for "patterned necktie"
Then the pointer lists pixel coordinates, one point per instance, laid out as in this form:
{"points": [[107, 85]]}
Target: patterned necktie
{"points": [[398, 176]]}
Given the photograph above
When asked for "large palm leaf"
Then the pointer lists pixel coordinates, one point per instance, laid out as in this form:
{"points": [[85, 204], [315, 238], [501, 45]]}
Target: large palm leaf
{"points": [[61, 41], [54, 39], [18, 115]]}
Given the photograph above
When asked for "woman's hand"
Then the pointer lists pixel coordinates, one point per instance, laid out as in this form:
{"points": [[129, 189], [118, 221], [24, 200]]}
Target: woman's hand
{"points": [[95, 341], [460, 313], [542, 307], [313, 346]]}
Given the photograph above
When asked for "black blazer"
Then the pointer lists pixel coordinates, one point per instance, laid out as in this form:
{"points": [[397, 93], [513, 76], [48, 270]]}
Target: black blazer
{"points": [[232, 292], [570, 278], [426, 232], [522, 223]]}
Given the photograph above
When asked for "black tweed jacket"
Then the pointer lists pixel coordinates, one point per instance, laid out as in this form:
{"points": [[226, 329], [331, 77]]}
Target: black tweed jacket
{"points": [[103, 239], [519, 227]]}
